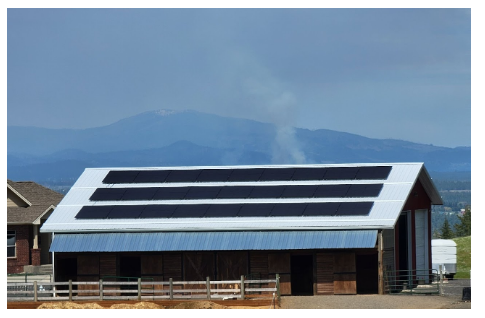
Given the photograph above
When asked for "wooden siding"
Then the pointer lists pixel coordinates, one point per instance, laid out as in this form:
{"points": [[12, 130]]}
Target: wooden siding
{"points": [[325, 265], [344, 274]]}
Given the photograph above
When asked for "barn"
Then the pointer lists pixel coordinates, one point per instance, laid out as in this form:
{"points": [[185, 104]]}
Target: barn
{"points": [[324, 229]]}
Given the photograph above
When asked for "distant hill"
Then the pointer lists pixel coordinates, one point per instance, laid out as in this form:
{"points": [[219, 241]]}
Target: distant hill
{"points": [[170, 138]]}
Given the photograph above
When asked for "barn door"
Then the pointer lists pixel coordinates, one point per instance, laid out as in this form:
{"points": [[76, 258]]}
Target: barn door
{"points": [[344, 274], [421, 245]]}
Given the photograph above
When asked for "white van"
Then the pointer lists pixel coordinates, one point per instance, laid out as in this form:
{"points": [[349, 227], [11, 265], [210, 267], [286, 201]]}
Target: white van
{"points": [[443, 252]]}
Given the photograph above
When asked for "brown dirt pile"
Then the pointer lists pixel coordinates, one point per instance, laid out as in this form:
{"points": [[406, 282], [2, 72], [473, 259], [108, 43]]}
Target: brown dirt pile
{"points": [[140, 305], [198, 305], [69, 305]]}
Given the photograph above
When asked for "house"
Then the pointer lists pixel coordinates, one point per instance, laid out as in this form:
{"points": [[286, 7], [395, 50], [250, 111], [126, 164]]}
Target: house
{"points": [[28, 206], [324, 229]]}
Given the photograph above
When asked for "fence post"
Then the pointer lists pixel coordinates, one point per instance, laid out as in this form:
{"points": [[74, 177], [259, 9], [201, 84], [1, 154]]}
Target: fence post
{"points": [[70, 290], [171, 288], [139, 288], [208, 287], [278, 287], [35, 290], [242, 286], [441, 279], [101, 289]]}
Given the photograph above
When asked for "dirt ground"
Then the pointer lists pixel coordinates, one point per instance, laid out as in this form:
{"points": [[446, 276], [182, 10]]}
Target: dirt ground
{"points": [[144, 305]]}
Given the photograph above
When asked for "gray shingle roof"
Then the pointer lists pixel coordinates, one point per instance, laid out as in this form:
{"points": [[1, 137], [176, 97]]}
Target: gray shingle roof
{"points": [[39, 196]]}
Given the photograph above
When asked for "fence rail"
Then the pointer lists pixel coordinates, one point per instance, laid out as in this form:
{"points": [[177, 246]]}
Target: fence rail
{"points": [[413, 282], [143, 290]]}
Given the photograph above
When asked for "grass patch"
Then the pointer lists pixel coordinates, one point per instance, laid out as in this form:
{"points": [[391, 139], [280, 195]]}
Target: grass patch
{"points": [[463, 256]]}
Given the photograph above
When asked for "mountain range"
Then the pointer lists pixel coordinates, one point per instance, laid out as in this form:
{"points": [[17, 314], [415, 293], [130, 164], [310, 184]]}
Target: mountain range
{"points": [[188, 138]]}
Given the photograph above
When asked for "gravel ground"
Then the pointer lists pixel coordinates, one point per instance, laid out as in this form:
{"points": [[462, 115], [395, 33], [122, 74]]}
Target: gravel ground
{"points": [[451, 299]]}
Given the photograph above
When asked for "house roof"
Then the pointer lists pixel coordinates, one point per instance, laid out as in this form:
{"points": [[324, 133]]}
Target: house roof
{"points": [[98, 201], [39, 201]]}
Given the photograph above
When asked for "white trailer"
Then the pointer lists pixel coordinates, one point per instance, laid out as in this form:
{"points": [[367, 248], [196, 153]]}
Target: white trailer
{"points": [[443, 252]]}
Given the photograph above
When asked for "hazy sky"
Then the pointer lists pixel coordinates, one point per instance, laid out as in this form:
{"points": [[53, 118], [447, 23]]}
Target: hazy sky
{"points": [[381, 73]]}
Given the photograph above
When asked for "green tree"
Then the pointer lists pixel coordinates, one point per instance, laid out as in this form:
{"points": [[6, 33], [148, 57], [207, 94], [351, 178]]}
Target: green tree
{"points": [[446, 231], [464, 227]]}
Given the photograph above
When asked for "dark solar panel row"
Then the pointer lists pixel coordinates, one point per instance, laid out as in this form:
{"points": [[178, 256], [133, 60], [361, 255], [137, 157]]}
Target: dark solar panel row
{"points": [[225, 210], [237, 192], [248, 174]]}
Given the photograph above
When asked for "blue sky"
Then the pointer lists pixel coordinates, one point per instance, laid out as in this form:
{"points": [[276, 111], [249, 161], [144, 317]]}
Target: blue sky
{"points": [[381, 73]]}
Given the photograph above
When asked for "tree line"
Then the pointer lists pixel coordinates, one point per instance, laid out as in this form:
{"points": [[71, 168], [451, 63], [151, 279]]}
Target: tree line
{"points": [[462, 228]]}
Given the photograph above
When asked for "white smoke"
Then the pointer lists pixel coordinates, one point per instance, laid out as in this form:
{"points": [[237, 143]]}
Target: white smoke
{"points": [[280, 106]]}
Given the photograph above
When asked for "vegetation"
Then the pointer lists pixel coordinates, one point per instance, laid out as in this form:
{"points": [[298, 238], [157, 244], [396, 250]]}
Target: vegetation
{"points": [[446, 232], [463, 256], [464, 227]]}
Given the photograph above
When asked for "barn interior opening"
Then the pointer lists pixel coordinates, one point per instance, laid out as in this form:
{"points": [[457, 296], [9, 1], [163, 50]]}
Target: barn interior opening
{"points": [[302, 275]]}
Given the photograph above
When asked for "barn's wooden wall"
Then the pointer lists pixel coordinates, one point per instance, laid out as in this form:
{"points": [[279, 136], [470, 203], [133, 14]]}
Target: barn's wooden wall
{"points": [[334, 271]]}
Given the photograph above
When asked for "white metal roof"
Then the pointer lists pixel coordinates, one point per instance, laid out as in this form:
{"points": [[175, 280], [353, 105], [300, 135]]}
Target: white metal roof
{"points": [[384, 213]]}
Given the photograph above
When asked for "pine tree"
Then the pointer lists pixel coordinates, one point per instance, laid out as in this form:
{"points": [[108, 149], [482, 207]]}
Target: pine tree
{"points": [[446, 232], [464, 227]]}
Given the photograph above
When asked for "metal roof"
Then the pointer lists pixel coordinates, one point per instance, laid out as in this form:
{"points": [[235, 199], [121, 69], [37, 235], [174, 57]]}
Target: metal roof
{"points": [[384, 213], [212, 241]]}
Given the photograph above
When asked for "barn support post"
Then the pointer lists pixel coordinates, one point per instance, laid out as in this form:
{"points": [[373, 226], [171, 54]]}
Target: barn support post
{"points": [[242, 286], [101, 289], [170, 286], [35, 290], [139, 288], [70, 290], [278, 291], [380, 270], [208, 287]]}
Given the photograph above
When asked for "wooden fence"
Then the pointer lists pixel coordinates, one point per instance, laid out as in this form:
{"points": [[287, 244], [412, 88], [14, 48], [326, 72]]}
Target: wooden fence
{"points": [[144, 290]]}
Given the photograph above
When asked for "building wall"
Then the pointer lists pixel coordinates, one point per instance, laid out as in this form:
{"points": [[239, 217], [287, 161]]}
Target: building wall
{"points": [[22, 249], [330, 271], [418, 200]]}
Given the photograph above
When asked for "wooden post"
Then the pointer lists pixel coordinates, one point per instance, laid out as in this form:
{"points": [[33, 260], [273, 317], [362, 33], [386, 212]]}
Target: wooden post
{"points": [[278, 291], [139, 288], [380, 263], [70, 290], [441, 279], [35, 290], [208, 287], [171, 287], [242, 286], [100, 289]]}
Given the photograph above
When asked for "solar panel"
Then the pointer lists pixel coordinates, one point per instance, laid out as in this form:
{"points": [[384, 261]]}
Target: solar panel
{"points": [[175, 193], [94, 212], [332, 191], [107, 194], [125, 176], [139, 194], [151, 176], [341, 173], [354, 208], [157, 211], [248, 210], [190, 211], [241, 175], [214, 175], [182, 176], [234, 192], [364, 190], [125, 211], [262, 192], [307, 174], [301, 191], [202, 193], [223, 210], [321, 209], [289, 209], [373, 173], [277, 174]]}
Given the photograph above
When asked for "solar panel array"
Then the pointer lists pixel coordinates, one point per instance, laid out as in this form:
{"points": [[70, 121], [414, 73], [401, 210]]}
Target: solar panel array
{"points": [[182, 200]]}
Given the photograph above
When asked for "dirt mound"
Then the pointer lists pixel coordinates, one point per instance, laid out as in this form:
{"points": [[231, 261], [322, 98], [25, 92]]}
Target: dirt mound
{"points": [[198, 305], [69, 305], [140, 305]]}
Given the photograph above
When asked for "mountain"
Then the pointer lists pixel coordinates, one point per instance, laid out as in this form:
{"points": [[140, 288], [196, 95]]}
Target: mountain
{"points": [[170, 138]]}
